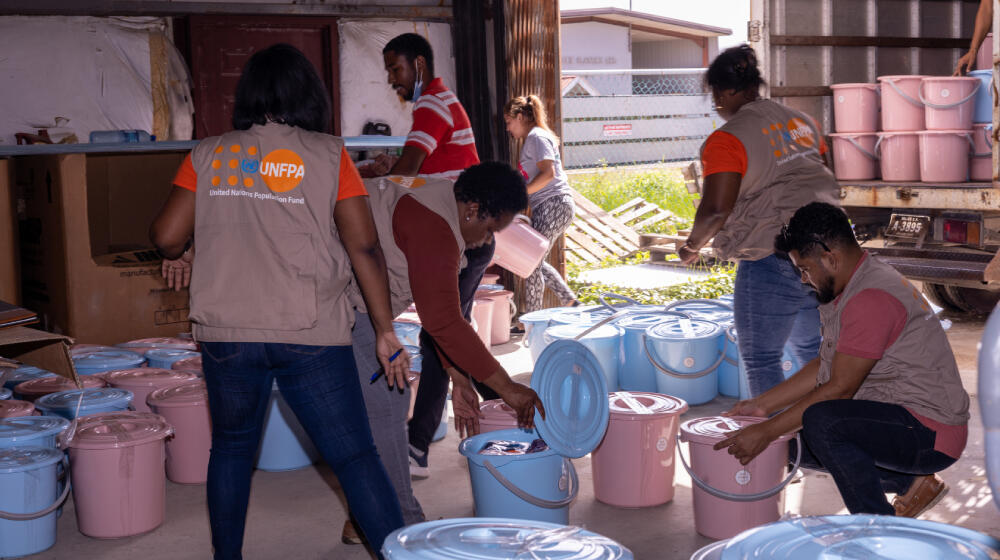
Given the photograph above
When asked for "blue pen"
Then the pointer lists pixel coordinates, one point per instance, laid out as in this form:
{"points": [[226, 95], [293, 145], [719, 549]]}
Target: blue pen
{"points": [[378, 373]]}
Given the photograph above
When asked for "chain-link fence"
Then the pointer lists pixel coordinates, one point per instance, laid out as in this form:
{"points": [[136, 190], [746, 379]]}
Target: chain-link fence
{"points": [[631, 117]]}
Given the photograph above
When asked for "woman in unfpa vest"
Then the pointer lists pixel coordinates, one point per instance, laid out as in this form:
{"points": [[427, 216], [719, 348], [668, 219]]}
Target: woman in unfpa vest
{"points": [[281, 216], [760, 167]]}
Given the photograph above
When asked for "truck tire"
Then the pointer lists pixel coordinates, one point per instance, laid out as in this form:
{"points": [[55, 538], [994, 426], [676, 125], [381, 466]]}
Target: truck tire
{"points": [[938, 295], [972, 300]]}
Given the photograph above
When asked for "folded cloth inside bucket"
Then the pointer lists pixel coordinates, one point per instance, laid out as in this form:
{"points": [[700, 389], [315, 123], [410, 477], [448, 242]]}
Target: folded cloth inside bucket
{"points": [[503, 447]]}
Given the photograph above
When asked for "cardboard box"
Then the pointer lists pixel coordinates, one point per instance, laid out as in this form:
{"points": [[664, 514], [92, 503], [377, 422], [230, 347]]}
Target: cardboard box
{"points": [[10, 269], [87, 265], [38, 348]]}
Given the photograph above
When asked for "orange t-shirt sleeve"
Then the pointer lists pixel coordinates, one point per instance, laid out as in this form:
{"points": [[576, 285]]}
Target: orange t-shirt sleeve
{"points": [[822, 141], [349, 183], [186, 177], [723, 153]]}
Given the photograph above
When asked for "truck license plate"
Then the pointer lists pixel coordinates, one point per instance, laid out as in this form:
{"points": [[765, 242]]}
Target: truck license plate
{"points": [[908, 226]]}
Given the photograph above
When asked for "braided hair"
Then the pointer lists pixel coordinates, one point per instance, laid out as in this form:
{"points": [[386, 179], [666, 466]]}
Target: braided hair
{"points": [[735, 69]]}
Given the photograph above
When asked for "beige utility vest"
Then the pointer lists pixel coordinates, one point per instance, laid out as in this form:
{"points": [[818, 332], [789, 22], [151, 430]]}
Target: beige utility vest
{"points": [[438, 196], [785, 172], [918, 370], [269, 265]]}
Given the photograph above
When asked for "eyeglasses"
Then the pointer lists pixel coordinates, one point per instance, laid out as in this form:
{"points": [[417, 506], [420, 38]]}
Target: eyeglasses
{"points": [[813, 238]]}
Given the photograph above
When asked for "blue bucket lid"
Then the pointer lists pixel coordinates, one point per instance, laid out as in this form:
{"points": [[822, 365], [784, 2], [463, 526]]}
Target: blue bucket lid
{"points": [[643, 321], [108, 360], [27, 458], [5, 394], [684, 329], [569, 380], [482, 538], [707, 310], [22, 374], [170, 354], [67, 400], [581, 317], [26, 428], [541, 316], [565, 332], [860, 536]]}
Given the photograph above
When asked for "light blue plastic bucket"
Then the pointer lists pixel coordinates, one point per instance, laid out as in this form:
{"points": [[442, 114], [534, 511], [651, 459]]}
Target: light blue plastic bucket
{"points": [[5, 394], [535, 324], [39, 431], [89, 363], [29, 488], [416, 360], [849, 537], [605, 342], [636, 373], [731, 367], [407, 333], [284, 446], [719, 311], [164, 358], [983, 112], [22, 374], [687, 356], [70, 405], [494, 538]]}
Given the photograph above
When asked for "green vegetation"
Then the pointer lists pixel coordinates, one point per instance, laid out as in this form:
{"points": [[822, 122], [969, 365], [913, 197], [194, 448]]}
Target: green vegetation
{"points": [[610, 188]]}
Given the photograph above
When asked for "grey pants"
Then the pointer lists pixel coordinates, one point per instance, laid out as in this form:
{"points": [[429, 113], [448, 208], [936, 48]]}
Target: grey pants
{"points": [[387, 409], [551, 218]]}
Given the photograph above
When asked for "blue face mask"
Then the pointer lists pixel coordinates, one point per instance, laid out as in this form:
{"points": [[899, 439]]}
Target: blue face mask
{"points": [[418, 87]]}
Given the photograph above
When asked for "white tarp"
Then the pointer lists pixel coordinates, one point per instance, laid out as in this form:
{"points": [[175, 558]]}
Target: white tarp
{"points": [[89, 73], [365, 94]]}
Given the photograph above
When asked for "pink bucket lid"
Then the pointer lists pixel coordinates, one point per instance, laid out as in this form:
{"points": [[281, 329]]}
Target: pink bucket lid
{"points": [[147, 377], [187, 364], [160, 342], [856, 85], [713, 429], [57, 383], [638, 405], [496, 411], [13, 408], [114, 430], [901, 77], [192, 393]]}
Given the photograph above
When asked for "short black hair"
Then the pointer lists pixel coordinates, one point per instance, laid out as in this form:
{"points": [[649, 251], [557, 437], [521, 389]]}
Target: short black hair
{"points": [[280, 83], [735, 68], [411, 45], [815, 225], [497, 187]]}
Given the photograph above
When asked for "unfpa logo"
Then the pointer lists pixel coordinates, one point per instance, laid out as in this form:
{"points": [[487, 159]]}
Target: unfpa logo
{"points": [[281, 170]]}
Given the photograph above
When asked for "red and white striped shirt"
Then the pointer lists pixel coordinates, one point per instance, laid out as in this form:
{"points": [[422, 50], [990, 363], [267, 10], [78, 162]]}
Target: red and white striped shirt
{"points": [[442, 130]]}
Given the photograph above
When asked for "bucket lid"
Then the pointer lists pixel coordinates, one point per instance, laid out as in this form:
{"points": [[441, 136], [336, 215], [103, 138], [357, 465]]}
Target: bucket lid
{"points": [[581, 316], [900, 77], [78, 349], [569, 380], [482, 538], [13, 407], [171, 354], [24, 373], [147, 377], [56, 383], [713, 429], [67, 400], [980, 73], [188, 364], [160, 342], [4, 394], [707, 310], [27, 458], [541, 315], [684, 329], [119, 429], [638, 405], [192, 393], [108, 359], [563, 332], [643, 321], [27, 428], [490, 286], [854, 85], [836, 537]]}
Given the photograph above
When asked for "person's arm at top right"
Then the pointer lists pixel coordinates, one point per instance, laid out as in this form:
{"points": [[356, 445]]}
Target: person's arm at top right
{"points": [[984, 22]]}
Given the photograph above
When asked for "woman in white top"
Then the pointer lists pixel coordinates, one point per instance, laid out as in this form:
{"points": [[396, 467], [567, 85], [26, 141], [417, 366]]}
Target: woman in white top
{"points": [[549, 195]]}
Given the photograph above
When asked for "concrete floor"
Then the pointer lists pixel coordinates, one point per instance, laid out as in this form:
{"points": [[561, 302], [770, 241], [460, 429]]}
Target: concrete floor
{"points": [[299, 514]]}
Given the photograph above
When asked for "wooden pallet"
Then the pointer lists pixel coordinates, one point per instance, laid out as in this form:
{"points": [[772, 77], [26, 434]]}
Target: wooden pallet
{"points": [[661, 246], [596, 234], [639, 213]]}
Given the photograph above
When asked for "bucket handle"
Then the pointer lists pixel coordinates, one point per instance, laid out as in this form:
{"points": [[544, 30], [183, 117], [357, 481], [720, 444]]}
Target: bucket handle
{"points": [[901, 93], [862, 149], [574, 482], [59, 501], [679, 375], [716, 303], [987, 130], [743, 497], [948, 105], [613, 295]]}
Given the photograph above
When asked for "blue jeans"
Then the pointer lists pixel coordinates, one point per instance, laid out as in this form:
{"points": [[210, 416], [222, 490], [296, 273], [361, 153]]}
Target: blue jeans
{"points": [[771, 307], [320, 383], [869, 448]]}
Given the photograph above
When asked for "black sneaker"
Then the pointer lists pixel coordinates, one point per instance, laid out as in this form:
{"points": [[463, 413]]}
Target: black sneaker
{"points": [[418, 464]]}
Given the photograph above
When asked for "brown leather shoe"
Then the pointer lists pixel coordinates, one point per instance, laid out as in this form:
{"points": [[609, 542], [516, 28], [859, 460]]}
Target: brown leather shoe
{"points": [[925, 492], [350, 534]]}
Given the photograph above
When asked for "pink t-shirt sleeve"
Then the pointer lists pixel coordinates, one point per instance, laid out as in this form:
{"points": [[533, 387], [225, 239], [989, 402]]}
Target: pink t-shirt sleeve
{"points": [[870, 323]]}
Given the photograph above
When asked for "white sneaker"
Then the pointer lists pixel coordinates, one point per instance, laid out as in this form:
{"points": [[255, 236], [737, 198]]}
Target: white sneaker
{"points": [[418, 464]]}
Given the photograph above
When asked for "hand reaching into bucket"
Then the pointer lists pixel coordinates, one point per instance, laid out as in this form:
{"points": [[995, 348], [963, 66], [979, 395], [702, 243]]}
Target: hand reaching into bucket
{"points": [[747, 443], [748, 407], [465, 402]]}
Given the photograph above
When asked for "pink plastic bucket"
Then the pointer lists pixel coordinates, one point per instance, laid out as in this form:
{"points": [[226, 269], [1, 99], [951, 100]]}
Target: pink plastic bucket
{"points": [[482, 319], [143, 381], [503, 312], [981, 167], [191, 365], [944, 155], [496, 415], [899, 156], [142, 345], [949, 102], [855, 107], [854, 156], [634, 464], [901, 106], [119, 483], [185, 407], [35, 388], [520, 249], [730, 498], [13, 408], [490, 279]]}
